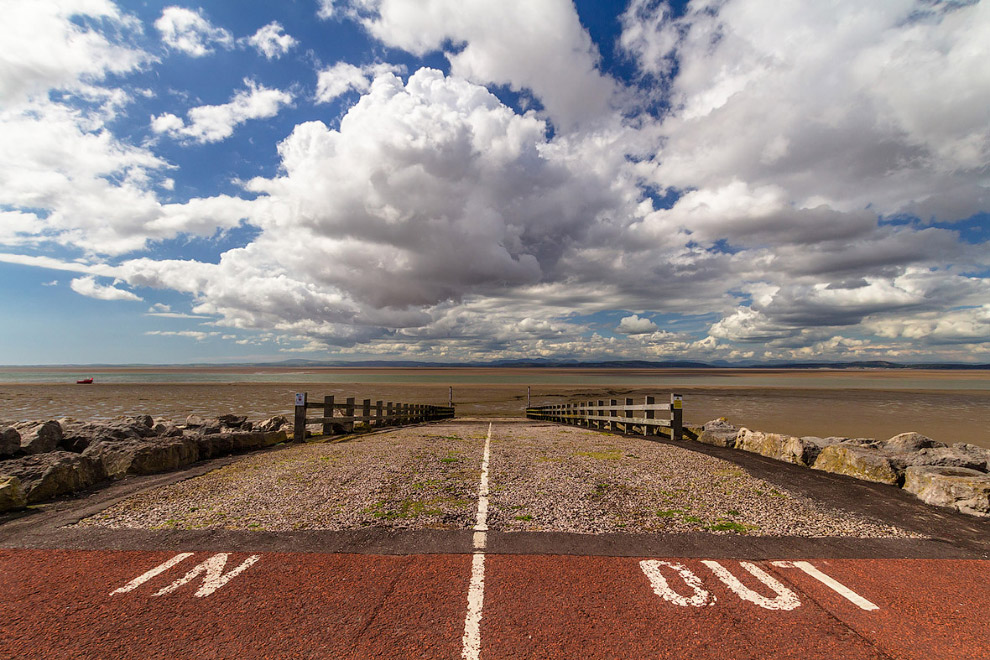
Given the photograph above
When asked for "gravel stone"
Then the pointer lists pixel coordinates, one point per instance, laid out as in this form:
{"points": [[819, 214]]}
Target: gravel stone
{"points": [[543, 477]]}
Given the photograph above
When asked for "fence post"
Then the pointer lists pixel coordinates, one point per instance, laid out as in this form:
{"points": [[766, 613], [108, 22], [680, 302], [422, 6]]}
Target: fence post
{"points": [[676, 417], [349, 412], [328, 412], [529, 397], [299, 421], [627, 427], [366, 411], [613, 413], [602, 424], [379, 422], [650, 414], [450, 397]]}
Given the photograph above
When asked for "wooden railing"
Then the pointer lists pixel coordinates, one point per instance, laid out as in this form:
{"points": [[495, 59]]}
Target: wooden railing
{"points": [[612, 416], [341, 417]]}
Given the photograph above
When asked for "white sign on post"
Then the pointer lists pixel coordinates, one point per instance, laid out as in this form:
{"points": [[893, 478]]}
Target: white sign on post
{"points": [[301, 399]]}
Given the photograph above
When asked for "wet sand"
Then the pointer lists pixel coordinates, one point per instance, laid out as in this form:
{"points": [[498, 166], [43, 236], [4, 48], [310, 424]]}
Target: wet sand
{"points": [[947, 415]]}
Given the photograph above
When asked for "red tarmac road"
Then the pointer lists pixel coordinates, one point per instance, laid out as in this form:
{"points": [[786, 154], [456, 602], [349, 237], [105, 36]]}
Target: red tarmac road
{"points": [[62, 604]]}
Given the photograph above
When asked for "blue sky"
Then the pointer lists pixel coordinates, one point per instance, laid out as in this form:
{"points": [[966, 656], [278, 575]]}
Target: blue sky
{"points": [[468, 180]]}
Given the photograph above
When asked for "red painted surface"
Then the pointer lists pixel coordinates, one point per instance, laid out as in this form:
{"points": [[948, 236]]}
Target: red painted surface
{"points": [[57, 604]]}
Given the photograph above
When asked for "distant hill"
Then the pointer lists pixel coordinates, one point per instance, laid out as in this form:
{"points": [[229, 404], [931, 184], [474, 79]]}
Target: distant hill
{"points": [[547, 363]]}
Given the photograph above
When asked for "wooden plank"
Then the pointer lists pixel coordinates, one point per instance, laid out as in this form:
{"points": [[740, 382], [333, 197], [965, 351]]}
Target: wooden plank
{"points": [[349, 413]]}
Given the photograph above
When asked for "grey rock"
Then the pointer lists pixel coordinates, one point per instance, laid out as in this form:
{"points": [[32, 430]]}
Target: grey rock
{"points": [[10, 441], [787, 448], [275, 423], [962, 489], [870, 443], [861, 462], [11, 494], [231, 421], [143, 456], [911, 441], [48, 475], [979, 455], [941, 456], [220, 444], [718, 438], [717, 432], [39, 437], [166, 429], [720, 424]]}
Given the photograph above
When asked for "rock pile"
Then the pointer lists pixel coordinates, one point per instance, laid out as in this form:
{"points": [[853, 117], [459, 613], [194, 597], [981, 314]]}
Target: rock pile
{"points": [[45, 459], [956, 476]]}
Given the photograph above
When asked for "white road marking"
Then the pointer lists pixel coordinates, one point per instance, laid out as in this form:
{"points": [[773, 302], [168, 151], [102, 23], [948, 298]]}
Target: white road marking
{"points": [[214, 578], [144, 577], [660, 587], [471, 649], [829, 582], [785, 599]]}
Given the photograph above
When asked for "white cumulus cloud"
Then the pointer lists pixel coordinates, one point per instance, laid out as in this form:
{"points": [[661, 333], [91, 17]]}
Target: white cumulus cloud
{"points": [[272, 41], [634, 325], [89, 287], [190, 32], [213, 123]]}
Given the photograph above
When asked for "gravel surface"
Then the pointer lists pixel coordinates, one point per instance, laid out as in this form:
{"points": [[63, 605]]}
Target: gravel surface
{"points": [[543, 477]]}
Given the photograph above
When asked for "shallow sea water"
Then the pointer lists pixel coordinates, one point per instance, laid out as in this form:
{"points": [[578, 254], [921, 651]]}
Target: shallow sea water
{"points": [[948, 406]]}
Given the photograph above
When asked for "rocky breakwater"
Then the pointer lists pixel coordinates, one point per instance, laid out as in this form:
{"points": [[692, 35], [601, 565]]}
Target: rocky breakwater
{"points": [[41, 460], [956, 476]]}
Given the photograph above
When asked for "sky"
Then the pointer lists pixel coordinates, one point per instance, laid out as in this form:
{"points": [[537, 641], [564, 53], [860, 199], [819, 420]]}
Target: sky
{"points": [[465, 180]]}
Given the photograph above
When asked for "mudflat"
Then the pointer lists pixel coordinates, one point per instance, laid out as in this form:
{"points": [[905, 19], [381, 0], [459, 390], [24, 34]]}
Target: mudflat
{"points": [[949, 406]]}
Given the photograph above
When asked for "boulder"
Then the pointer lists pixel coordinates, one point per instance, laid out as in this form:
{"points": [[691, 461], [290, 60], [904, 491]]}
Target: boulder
{"points": [[77, 436], [39, 437], [979, 455], [861, 462], [142, 456], [272, 424], [10, 441], [219, 444], [166, 429], [941, 456], [48, 475], [906, 442], [787, 448], [231, 421], [719, 433], [11, 494], [960, 488]]}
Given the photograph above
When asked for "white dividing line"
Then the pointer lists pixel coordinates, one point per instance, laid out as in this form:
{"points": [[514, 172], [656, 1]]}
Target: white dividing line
{"points": [[476, 592]]}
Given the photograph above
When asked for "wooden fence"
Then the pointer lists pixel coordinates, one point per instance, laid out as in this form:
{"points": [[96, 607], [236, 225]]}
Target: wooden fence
{"points": [[611, 415], [341, 417]]}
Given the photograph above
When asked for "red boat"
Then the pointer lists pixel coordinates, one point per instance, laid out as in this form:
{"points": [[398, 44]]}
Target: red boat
{"points": [[85, 381]]}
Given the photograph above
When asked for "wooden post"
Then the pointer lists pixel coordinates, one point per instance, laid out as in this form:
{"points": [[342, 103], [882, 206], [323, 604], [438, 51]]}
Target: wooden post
{"points": [[613, 413], [328, 412], [450, 397], [379, 422], [299, 421], [627, 427], [529, 397], [349, 412], [650, 414], [676, 417], [600, 412], [366, 411]]}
